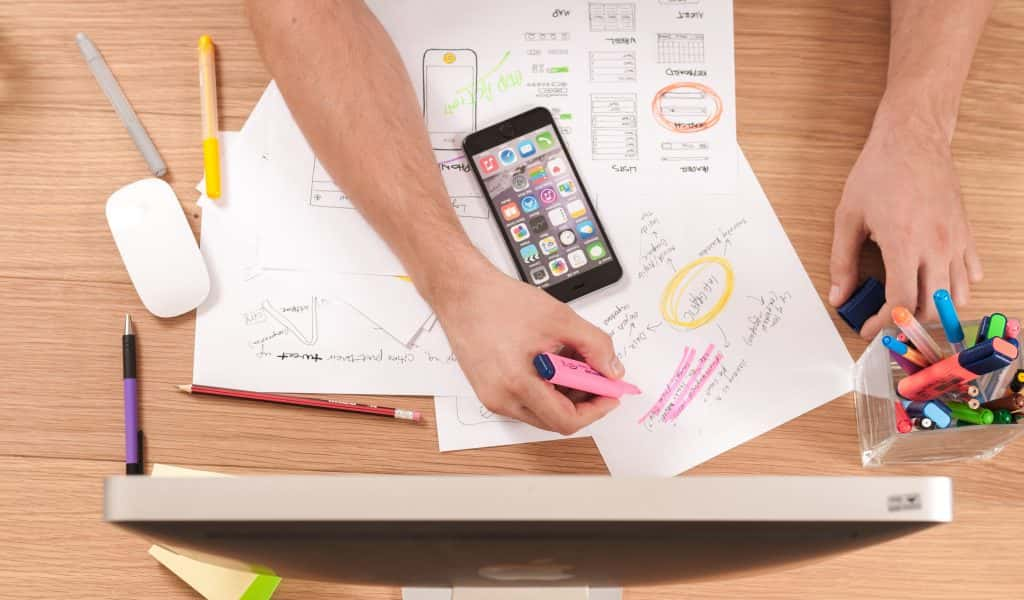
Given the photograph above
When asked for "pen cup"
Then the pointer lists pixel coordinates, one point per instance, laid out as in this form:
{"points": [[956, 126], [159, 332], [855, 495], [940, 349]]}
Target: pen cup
{"points": [[875, 379]]}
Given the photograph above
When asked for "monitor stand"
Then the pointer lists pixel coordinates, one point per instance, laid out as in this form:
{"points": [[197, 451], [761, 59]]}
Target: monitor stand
{"points": [[523, 593]]}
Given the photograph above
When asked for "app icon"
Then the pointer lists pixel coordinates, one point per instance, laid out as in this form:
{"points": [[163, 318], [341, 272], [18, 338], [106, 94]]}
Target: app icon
{"points": [[545, 140], [529, 204], [537, 173], [557, 216], [567, 237], [507, 156], [596, 250], [519, 181], [548, 245], [529, 254], [558, 267], [577, 259], [519, 232], [556, 167], [538, 224], [488, 164], [510, 211], [548, 195], [526, 148], [567, 188], [539, 275], [576, 209], [586, 230]]}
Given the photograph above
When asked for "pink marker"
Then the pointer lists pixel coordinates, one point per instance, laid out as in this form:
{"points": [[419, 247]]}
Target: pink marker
{"points": [[1012, 329], [577, 375]]}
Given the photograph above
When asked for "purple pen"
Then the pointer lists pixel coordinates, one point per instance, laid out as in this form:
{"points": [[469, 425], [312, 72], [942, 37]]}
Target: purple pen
{"points": [[132, 433]]}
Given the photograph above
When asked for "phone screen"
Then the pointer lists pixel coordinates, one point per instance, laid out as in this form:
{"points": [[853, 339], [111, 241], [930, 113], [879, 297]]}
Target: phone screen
{"points": [[543, 210]]}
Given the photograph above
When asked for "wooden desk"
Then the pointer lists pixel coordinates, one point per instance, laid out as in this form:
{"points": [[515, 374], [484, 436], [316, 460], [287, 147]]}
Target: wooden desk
{"points": [[809, 74]]}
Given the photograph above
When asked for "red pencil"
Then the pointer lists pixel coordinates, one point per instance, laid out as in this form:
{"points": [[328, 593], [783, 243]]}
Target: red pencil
{"points": [[368, 409]]}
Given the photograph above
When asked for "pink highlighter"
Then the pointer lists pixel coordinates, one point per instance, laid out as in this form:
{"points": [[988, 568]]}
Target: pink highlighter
{"points": [[577, 375]]}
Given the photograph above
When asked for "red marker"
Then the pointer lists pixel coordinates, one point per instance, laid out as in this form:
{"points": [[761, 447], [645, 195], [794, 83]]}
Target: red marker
{"points": [[903, 422]]}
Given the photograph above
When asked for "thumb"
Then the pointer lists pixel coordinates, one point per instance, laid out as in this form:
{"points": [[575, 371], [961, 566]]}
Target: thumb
{"points": [[847, 238], [592, 344]]}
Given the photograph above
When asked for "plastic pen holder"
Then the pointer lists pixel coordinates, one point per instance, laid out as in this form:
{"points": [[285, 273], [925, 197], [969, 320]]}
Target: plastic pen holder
{"points": [[875, 378]]}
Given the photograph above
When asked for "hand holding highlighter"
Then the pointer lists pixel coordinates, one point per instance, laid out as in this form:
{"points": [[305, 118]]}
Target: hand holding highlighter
{"points": [[578, 375]]}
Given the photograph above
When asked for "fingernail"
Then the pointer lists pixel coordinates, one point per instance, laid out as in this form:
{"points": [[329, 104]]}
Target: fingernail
{"points": [[616, 368], [833, 294]]}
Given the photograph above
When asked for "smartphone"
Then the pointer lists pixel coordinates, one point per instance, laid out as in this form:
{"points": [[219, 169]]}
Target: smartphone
{"points": [[545, 215], [449, 95]]}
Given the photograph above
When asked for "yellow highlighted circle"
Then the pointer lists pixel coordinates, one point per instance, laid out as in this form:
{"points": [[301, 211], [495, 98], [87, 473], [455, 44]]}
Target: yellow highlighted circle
{"points": [[677, 286]]}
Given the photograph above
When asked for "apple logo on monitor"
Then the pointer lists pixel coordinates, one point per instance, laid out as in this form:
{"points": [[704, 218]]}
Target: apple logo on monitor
{"points": [[536, 570]]}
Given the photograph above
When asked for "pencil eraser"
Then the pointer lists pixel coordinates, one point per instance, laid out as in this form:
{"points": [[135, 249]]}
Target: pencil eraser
{"points": [[865, 302]]}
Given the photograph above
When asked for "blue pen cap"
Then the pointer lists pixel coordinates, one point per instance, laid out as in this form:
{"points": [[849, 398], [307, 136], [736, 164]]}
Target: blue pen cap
{"points": [[947, 314], [545, 368], [984, 358], [894, 344]]}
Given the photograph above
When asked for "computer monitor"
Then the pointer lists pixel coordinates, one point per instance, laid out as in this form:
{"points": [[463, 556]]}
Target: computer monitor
{"points": [[512, 532]]}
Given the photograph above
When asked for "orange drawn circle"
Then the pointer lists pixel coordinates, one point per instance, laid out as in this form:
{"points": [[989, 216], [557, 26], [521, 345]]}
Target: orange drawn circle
{"points": [[708, 123]]}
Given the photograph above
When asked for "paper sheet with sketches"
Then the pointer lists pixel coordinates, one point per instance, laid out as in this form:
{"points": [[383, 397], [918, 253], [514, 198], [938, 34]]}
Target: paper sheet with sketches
{"points": [[721, 328], [297, 332], [642, 91]]}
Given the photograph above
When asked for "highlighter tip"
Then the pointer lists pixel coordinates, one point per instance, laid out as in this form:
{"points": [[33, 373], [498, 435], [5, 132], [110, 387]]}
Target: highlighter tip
{"points": [[205, 42], [901, 316]]}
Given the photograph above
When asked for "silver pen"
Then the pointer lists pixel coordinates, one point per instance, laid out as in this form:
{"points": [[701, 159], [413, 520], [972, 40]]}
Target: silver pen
{"points": [[124, 110]]}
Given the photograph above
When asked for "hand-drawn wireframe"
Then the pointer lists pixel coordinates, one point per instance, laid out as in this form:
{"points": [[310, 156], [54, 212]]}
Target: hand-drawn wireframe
{"points": [[681, 48], [449, 95], [686, 151], [612, 66], [306, 339], [613, 126], [612, 16], [687, 107], [698, 292]]}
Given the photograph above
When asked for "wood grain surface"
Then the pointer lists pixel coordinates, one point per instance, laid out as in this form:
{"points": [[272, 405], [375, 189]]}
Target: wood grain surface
{"points": [[809, 74]]}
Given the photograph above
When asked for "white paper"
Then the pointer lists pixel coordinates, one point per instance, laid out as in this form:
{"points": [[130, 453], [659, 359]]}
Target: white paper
{"points": [[641, 91], [770, 354], [463, 423], [267, 331]]}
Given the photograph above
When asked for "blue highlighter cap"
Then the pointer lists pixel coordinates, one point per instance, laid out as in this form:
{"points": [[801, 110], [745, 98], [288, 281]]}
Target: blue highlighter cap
{"points": [[947, 314], [864, 303]]}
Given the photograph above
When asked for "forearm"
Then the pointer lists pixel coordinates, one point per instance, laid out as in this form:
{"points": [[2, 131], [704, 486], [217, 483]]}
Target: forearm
{"points": [[349, 92], [931, 47]]}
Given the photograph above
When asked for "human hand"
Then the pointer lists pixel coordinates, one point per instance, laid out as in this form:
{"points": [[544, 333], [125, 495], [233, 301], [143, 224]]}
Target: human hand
{"points": [[904, 194], [496, 351]]}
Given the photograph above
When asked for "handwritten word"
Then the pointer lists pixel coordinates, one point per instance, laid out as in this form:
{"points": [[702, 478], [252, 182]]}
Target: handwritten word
{"points": [[313, 356], [486, 87], [619, 41], [720, 387], [673, 386], [698, 14], [267, 338], [686, 72], [295, 309], [695, 169], [698, 292], [560, 12], [723, 240], [770, 309], [254, 317], [630, 169]]}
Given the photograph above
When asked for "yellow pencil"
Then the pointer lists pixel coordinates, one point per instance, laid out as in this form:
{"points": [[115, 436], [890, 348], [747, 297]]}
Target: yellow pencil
{"points": [[208, 100]]}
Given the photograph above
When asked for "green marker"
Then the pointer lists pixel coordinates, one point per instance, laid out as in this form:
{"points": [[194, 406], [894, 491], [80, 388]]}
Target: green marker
{"points": [[1002, 417], [996, 326], [962, 412]]}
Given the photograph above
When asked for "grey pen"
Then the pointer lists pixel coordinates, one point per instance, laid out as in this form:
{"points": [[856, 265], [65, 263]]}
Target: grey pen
{"points": [[124, 110]]}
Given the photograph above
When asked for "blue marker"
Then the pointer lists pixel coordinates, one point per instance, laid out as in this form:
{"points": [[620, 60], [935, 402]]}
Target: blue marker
{"points": [[938, 412], [895, 345], [950, 321]]}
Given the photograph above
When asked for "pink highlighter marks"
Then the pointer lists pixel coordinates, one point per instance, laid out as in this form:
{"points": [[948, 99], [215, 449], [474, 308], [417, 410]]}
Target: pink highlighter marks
{"points": [[577, 375]]}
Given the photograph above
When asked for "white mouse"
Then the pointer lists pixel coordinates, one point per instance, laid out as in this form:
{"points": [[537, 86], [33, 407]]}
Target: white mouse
{"points": [[157, 247]]}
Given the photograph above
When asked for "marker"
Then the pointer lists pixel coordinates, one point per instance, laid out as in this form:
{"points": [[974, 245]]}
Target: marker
{"points": [[979, 337], [339, 405], [916, 333], [132, 434], [962, 412], [108, 84], [924, 423], [577, 375], [208, 102], [908, 367], [903, 337], [938, 412], [1017, 382], [1002, 417], [950, 321], [1012, 329], [903, 350], [1013, 403], [903, 422], [996, 326], [952, 373]]}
